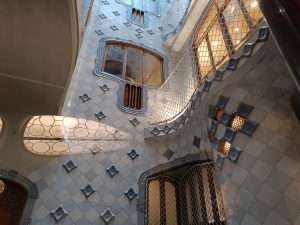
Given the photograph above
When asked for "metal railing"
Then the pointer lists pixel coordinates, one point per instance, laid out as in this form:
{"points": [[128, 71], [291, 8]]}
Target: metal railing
{"points": [[224, 28]]}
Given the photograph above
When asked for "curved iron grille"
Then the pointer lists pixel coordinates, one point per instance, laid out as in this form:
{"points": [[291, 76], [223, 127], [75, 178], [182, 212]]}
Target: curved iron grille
{"points": [[194, 198]]}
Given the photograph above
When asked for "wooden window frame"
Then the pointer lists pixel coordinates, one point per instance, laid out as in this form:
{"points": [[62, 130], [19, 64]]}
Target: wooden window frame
{"points": [[126, 46]]}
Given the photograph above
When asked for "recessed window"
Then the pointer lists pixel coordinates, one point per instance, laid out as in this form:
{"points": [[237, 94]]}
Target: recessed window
{"points": [[185, 195], [133, 64], [237, 122]]}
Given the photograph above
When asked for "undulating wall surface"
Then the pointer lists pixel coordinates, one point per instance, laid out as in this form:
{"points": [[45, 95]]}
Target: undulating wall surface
{"points": [[262, 187]]}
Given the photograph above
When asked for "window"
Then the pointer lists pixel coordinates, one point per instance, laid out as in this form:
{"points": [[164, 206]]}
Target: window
{"points": [[57, 135], [188, 194], [132, 64], [223, 30]]}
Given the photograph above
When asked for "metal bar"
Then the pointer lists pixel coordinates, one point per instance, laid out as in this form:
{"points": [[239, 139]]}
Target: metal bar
{"points": [[246, 14], [163, 219]]}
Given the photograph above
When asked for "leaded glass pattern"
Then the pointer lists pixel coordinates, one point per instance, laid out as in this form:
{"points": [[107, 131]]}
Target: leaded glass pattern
{"points": [[56, 135]]}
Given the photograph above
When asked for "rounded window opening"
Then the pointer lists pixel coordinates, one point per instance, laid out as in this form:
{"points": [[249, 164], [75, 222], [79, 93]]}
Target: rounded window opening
{"points": [[185, 194], [133, 64], [13, 197]]}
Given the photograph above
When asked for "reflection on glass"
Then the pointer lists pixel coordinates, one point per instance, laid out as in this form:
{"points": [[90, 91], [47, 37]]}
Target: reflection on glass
{"points": [[114, 59], [217, 43], [253, 10], [152, 69], [56, 135], [204, 59], [236, 23], [134, 66]]}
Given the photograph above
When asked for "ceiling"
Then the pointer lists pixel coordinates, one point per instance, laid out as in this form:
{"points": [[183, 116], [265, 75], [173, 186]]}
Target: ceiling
{"points": [[38, 50]]}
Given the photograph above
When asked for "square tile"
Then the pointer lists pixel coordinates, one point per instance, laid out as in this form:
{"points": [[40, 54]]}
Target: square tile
{"points": [[196, 142], [288, 166], [168, 154], [268, 195], [261, 170], [244, 198]]}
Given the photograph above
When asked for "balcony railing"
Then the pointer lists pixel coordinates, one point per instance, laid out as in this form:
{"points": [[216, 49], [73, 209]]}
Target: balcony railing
{"points": [[223, 29]]}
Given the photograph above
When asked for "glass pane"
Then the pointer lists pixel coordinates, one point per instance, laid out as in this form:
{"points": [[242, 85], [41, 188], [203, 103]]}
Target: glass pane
{"points": [[217, 43], [134, 67], [236, 23], [152, 69], [114, 59], [203, 59], [170, 201], [153, 202], [253, 10], [211, 15]]}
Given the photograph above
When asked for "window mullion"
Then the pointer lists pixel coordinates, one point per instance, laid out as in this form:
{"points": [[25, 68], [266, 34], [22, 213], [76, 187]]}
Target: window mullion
{"points": [[210, 52], [225, 33], [163, 219], [246, 14]]}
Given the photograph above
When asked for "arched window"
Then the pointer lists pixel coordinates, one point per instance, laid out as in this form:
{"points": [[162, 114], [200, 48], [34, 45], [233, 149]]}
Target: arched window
{"points": [[161, 201], [55, 135], [189, 194]]}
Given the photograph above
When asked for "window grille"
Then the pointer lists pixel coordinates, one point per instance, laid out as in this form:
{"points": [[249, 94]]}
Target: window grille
{"points": [[193, 197]]}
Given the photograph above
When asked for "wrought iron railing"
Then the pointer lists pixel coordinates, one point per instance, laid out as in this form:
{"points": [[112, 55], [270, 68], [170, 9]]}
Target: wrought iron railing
{"points": [[222, 31]]}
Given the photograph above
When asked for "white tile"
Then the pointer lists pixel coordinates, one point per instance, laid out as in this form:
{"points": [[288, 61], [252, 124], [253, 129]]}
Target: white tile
{"points": [[268, 195], [275, 219], [92, 215], [279, 143], [75, 214], [272, 122], [255, 147], [261, 170], [244, 198], [239, 174], [249, 220], [293, 191], [288, 166]]}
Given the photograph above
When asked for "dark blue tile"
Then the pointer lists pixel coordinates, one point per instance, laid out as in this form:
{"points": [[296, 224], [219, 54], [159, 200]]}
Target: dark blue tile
{"points": [[233, 63], [226, 118], [229, 134], [88, 190], [196, 142], [249, 127], [107, 215], [244, 110], [234, 153], [132, 154], [69, 166], [248, 49], [219, 75], [59, 213], [112, 171], [263, 34], [168, 154], [222, 102], [207, 85], [130, 194]]}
